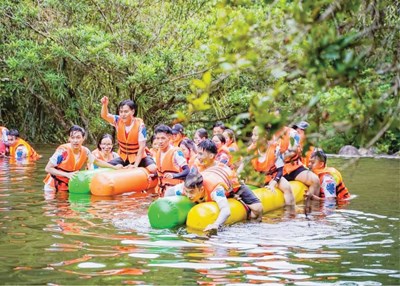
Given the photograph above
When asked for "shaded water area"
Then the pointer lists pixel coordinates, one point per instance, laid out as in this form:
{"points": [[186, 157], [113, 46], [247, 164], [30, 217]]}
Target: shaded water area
{"points": [[92, 240]]}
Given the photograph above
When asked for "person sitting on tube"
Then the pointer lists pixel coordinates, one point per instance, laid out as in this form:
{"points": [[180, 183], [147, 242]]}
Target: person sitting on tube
{"points": [[194, 188]]}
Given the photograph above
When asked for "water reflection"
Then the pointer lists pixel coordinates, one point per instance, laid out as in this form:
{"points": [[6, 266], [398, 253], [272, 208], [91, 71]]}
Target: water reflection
{"points": [[67, 239]]}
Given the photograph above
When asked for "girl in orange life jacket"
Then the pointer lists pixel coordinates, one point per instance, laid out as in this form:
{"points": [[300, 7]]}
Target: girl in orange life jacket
{"points": [[172, 166], [332, 185], [19, 148], [104, 150], [269, 161], [177, 134], [230, 140], [68, 159], [131, 136], [223, 154], [200, 135], [154, 146], [206, 160], [189, 150], [195, 188]]}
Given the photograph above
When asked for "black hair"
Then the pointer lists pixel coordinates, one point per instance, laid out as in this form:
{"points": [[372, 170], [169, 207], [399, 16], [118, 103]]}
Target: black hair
{"points": [[163, 129], [130, 103], [219, 124], [13, 132], [320, 154], [209, 146], [202, 133], [221, 138], [194, 179], [101, 139], [188, 144], [76, 128]]}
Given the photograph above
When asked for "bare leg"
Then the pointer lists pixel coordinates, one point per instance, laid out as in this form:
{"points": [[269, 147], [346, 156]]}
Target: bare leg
{"points": [[256, 211], [312, 181], [285, 187]]}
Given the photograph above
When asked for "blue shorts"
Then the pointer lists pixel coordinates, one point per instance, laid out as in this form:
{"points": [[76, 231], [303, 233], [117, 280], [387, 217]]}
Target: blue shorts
{"points": [[246, 195]]}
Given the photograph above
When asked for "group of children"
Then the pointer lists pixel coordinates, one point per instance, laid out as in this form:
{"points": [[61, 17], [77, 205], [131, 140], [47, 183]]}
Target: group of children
{"points": [[202, 169]]}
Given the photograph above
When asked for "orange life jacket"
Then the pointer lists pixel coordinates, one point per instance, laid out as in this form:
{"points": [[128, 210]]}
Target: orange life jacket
{"points": [[294, 162], [167, 166], [99, 155], [32, 154], [224, 149], [233, 147], [192, 159], [266, 167], [341, 191], [176, 143], [60, 183], [129, 145], [307, 157], [219, 175]]}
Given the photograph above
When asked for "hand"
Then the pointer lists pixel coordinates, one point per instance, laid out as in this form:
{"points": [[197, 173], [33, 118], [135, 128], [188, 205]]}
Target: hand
{"points": [[130, 167], [168, 176], [71, 175], [104, 100], [272, 185], [119, 166], [211, 229]]}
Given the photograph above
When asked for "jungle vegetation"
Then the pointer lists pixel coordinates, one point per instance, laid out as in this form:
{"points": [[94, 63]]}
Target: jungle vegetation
{"points": [[332, 63]]}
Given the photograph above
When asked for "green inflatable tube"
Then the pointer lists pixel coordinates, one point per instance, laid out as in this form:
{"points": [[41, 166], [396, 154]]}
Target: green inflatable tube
{"points": [[169, 212], [80, 183]]}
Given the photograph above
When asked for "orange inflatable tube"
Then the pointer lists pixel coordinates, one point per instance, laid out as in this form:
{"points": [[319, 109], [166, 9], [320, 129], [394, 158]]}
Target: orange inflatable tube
{"points": [[122, 181]]}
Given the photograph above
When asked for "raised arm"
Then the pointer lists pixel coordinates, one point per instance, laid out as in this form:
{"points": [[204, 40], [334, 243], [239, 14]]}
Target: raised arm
{"points": [[104, 111]]}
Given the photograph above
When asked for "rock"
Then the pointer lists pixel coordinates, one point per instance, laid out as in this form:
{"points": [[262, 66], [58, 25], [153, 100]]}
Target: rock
{"points": [[349, 150], [366, 152]]}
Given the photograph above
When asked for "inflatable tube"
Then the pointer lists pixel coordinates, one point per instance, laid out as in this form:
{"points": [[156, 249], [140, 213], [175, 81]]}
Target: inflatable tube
{"points": [[169, 212], [122, 181], [204, 214], [80, 183]]}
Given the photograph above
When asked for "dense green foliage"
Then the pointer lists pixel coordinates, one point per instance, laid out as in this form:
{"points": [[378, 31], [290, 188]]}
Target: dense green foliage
{"points": [[335, 64]]}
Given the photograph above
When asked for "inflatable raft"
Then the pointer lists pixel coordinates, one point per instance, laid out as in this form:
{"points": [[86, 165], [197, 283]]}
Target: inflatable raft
{"points": [[122, 181], [80, 183], [107, 182], [170, 212]]}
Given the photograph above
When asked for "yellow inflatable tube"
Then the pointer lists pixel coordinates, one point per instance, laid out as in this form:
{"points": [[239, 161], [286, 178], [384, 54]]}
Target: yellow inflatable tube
{"points": [[204, 214]]}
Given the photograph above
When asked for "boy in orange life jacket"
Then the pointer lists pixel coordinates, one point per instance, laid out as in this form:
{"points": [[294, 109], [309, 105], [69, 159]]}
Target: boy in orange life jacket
{"points": [[172, 166], [332, 185], [68, 159], [206, 163], [194, 189], [131, 136], [19, 148]]}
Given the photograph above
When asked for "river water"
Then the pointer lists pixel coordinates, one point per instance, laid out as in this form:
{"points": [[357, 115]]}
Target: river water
{"points": [[91, 240]]}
